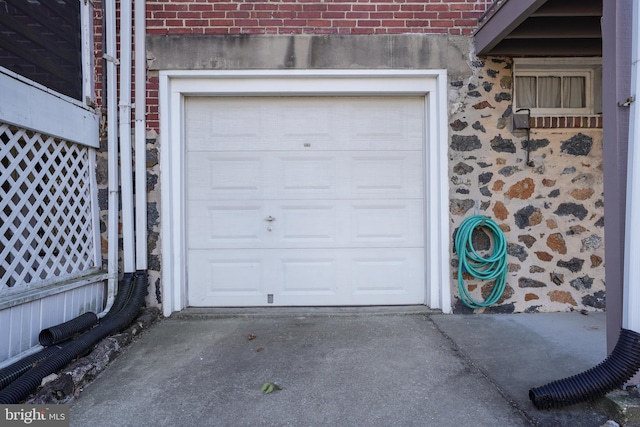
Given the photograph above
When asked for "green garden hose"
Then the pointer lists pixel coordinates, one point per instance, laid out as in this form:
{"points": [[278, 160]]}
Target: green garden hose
{"points": [[491, 267]]}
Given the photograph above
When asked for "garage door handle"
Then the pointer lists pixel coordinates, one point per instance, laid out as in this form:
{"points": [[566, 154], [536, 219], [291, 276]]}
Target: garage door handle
{"points": [[270, 218]]}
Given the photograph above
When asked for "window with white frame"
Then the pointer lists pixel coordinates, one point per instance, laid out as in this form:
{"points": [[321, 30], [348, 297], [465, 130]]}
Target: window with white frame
{"points": [[558, 87]]}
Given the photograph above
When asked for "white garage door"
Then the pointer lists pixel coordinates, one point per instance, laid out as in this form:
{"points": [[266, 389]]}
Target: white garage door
{"points": [[305, 200]]}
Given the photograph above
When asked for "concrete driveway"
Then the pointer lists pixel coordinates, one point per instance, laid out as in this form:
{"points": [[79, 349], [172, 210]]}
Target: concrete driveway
{"points": [[351, 367]]}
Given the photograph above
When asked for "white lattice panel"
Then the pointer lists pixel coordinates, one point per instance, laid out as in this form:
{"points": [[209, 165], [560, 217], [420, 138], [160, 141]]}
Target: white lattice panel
{"points": [[46, 226]]}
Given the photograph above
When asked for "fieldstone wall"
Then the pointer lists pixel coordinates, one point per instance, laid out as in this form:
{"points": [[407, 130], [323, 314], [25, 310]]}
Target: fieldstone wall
{"points": [[154, 298], [551, 209], [153, 220]]}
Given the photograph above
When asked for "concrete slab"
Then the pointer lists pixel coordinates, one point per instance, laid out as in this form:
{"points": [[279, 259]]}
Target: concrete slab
{"points": [[520, 351], [376, 369]]}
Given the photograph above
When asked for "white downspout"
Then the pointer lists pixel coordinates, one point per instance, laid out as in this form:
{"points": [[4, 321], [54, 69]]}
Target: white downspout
{"points": [[631, 294], [126, 159], [140, 134], [112, 150]]}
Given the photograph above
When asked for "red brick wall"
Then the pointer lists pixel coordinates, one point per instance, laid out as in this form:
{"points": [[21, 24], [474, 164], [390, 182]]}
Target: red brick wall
{"points": [[453, 17], [456, 17]]}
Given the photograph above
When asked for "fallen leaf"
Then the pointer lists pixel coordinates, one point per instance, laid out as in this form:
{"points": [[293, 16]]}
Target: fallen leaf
{"points": [[259, 349], [251, 337], [269, 387]]}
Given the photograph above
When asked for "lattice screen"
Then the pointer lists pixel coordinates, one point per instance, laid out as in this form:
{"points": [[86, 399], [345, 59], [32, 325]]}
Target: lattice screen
{"points": [[46, 227]]}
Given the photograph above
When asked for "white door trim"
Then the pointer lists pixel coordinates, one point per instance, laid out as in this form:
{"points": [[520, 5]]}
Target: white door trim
{"points": [[176, 84]]}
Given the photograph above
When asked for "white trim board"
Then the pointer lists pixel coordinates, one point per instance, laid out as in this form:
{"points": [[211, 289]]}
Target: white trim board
{"points": [[176, 84], [34, 107]]}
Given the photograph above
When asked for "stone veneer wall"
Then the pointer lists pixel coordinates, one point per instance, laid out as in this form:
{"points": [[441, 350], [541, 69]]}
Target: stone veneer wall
{"points": [[551, 211], [153, 208]]}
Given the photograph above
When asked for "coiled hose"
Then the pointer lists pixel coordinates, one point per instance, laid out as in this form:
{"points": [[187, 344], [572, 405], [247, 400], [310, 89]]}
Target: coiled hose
{"points": [[491, 267], [612, 373]]}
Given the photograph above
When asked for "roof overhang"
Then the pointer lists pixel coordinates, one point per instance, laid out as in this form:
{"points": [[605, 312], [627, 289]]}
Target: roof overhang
{"points": [[523, 28]]}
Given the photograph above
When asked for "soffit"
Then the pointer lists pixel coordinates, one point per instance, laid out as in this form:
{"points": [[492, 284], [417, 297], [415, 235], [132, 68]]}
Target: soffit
{"points": [[521, 28]]}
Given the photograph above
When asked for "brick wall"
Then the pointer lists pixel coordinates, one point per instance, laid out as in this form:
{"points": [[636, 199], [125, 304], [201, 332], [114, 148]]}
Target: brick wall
{"points": [[235, 17], [457, 17]]}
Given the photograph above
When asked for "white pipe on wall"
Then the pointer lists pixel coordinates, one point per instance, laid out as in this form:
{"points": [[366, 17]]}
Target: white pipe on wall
{"points": [[631, 295], [112, 149], [126, 158], [140, 134]]}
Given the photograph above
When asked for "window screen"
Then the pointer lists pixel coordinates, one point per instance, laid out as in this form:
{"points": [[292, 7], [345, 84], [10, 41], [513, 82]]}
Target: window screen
{"points": [[41, 40]]}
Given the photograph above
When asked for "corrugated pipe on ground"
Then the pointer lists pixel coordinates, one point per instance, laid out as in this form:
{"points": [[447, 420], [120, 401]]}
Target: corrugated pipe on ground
{"points": [[612, 373], [15, 370], [12, 372], [113, 322], [67, 330]]}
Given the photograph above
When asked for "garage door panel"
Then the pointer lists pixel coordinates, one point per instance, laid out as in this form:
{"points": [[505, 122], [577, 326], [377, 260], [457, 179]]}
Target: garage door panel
{"points": [[387, 272], [347, 224], [395, 124], [227, 276], [388, 223], [313, 277], [311, 175], [307, 225], [224, 176], [298, 123], [386, 175], [370, 276], [226, 224], [237, 126], [307, 123], [309, 275]]}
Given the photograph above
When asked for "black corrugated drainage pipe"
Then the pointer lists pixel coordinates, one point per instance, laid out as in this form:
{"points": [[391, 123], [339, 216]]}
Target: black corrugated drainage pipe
{"points": [[113, 322], [124, 290], [612, 373], [66, 330], [14, 371], [10, 373]]}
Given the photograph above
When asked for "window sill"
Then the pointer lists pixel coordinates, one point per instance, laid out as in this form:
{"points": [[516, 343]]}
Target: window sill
{"points": [[556, 122]]}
